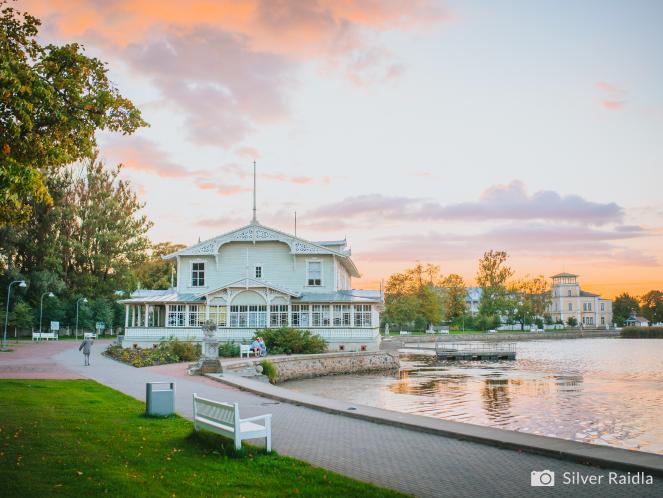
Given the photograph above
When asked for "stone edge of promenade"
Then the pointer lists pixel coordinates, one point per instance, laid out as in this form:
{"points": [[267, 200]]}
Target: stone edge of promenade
{"points": [[578, 452], [317, 365]]}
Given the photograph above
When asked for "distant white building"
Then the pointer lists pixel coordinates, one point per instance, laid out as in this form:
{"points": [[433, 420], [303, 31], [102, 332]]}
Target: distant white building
{"points": [[258, 277], [636, 321], [472, 299]]}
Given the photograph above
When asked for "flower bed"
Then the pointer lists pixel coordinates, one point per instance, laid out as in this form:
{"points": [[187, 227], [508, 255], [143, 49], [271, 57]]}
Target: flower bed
{"points": [[172, 351]]}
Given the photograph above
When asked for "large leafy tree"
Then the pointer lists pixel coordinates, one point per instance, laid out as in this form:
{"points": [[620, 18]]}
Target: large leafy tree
{"points": [[453, 297], [492, 276], [622, 307], [530, 298], [413, 295], [52, 101], [89, 243], [155, 273], [651, 305]]}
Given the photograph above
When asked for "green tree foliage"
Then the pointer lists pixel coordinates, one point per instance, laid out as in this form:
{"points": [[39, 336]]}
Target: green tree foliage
{"points": [[52, 101], [155, 273], [492, 277], [414, 296], [530, 298], [651, 306], [572, 321], [622, 307], [22, 316], [453, 297], [90, 243]]}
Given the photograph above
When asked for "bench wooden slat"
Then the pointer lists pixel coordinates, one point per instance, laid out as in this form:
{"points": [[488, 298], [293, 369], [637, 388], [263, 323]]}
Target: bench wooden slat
{"points": [[223, 418]]}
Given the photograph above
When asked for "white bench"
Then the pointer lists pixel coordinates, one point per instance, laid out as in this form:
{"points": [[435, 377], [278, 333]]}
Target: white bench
{"points": [[36, 336], [245, 349], [404, 332], [223, 418]]}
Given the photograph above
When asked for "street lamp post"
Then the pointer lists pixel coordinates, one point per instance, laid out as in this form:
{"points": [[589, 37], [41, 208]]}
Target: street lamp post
{"points": [[21, 283], [77, 303], [41, 306]]}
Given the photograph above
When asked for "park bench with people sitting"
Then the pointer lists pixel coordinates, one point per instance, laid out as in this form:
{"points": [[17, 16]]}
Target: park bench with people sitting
{"points": [[223, 418], [245, 349]]}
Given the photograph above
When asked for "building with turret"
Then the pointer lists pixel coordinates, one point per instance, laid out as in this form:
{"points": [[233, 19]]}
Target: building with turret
{"points": [[569, 300]]}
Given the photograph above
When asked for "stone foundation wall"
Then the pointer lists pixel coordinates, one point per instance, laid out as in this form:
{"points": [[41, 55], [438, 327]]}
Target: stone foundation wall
{"points": [[316, 365]]}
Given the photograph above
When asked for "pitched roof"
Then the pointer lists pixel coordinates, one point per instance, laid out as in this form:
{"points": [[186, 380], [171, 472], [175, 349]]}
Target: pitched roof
{"points": [[252, 283], [160, 296], [564, 274], [588, 294], [353, 296], [255, 232]]}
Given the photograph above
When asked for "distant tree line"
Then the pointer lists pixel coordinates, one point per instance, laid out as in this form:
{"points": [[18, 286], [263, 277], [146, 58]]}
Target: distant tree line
{"points": [[649, 305], [421, 297]]}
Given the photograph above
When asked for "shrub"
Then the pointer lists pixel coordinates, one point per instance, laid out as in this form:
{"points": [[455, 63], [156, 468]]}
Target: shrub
{"points": [[269, 370], [287, 340], [184, 351], [572, 321], [229, 350], [642, 332]]}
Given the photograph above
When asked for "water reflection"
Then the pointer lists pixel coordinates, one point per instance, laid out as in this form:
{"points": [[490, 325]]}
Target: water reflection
{"points": [[603, 391]]}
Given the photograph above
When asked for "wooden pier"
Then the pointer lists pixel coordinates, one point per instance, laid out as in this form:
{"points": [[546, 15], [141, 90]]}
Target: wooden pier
{"points": [[476, 350]]}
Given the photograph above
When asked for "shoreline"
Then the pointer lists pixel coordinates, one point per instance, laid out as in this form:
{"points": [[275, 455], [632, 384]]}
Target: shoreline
{"points": [[562, 449]]}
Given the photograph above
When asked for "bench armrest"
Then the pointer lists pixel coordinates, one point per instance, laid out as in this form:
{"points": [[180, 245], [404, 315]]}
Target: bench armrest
{"points": [[258, 417]]}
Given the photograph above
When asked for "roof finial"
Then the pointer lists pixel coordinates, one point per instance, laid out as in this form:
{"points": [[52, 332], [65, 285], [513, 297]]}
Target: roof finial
{"points": [[254, 220]]}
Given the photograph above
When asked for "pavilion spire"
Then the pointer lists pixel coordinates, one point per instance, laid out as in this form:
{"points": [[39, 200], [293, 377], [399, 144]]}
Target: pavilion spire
{"points": [[254, 220]]}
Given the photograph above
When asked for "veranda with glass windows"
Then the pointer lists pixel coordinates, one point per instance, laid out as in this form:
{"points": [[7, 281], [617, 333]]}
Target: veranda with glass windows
{"points": [[250, 316]]}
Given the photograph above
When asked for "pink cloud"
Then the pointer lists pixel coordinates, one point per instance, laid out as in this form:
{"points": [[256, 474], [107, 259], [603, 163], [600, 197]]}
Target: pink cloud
{"points": [[222, 189], [614, 95], [536, 240], [499, 202], [612, 104], [139, 154], [248, 152], [228, 66]]}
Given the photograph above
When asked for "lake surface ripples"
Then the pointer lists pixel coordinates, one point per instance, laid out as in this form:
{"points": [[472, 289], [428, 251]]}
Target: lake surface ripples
{"points": [[600, 391]]}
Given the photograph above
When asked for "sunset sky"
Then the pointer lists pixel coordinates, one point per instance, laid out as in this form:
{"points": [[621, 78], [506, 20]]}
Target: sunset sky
{"points": [[419, 130]]}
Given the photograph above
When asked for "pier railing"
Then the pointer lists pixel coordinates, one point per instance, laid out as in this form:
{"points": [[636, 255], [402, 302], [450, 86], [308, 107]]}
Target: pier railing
{"points": [[476, 347]]}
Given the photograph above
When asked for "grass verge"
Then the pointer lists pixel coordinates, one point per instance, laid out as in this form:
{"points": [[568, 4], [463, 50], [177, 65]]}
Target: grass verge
{"points": [[79, 438]]}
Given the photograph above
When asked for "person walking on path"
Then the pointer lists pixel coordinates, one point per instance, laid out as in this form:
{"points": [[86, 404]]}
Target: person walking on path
{"points": [[86, 346]]}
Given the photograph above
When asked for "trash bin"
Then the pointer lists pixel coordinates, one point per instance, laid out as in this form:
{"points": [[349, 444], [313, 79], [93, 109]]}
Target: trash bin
{"points": [[159, 399]]}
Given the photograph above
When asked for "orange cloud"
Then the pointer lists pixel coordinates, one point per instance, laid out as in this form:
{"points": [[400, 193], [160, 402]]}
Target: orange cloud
{"points": [[612, 104], [615, 95], [222, 189], [302, 27], [227, 65]]}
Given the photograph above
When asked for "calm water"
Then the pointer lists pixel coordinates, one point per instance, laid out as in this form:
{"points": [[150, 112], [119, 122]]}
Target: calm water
{"points": [[601, 391]]}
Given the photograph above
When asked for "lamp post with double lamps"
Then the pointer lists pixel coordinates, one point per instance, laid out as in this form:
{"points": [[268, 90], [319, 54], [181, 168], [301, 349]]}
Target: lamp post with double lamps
{"points": [[77, 303], [21, 283], [41, 306]]}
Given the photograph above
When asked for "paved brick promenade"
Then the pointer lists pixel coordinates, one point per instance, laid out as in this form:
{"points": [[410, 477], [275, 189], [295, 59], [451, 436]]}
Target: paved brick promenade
{"points": [[413, 462]]}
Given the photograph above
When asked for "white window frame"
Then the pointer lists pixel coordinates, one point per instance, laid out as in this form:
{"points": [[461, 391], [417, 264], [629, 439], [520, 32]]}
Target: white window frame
{"points": [[278, 315], [300, 315], [176, 315], [363, 315], [322, 272], [204, 270], [341, 316]]}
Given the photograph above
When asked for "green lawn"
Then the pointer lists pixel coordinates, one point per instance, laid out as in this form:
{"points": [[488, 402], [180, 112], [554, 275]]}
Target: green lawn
{"points": [[79, 438]]}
